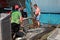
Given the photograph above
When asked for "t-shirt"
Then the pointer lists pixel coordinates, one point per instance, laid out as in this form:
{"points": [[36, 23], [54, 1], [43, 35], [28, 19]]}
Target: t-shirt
{"points": [[15, 17]]}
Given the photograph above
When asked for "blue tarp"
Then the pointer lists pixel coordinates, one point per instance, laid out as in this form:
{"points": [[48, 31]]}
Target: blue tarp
{"points": [[50, 18], [28, 9]]}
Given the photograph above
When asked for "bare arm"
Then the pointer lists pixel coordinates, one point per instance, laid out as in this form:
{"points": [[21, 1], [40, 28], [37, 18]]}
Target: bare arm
{"points": [[21, 19]]}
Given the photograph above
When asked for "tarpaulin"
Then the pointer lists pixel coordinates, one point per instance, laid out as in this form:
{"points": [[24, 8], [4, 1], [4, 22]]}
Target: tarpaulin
{"points": [[28, 9]]}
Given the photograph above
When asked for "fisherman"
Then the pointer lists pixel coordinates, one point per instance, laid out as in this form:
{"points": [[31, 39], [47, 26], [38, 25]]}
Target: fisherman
{"points": [[16, 19], [37, 14]]}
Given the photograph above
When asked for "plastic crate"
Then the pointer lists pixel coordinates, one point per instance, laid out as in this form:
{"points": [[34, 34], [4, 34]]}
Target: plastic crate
{"points": [[55, 35]]}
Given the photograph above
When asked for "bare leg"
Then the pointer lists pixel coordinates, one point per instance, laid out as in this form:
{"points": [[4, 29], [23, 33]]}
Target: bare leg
{"points": [[38, 24]]}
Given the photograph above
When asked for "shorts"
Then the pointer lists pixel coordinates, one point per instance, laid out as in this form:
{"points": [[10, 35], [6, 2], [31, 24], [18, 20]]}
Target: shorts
{"points": [[38, 18]]}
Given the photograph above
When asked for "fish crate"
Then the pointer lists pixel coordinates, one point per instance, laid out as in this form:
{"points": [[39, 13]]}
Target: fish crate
{"points": [[55, 35]]}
